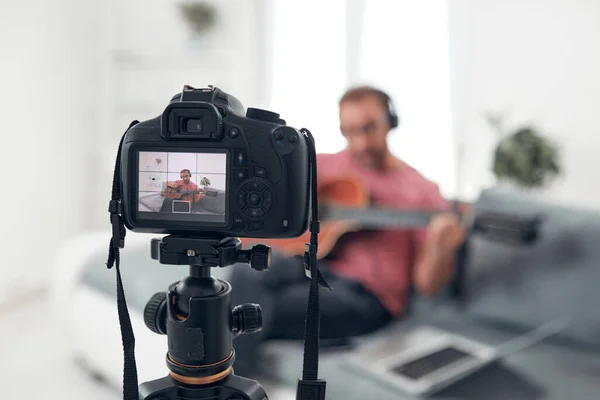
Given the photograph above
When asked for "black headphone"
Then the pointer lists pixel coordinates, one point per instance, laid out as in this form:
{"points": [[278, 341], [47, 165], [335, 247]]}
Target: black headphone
{"points": [[393, 117]]}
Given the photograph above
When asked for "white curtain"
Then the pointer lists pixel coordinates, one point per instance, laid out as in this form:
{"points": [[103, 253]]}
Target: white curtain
{"points": [[320, 47]]}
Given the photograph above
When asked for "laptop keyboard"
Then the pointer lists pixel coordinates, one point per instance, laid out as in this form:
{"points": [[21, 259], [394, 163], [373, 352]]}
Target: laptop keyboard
{"points": [[423, 366]]}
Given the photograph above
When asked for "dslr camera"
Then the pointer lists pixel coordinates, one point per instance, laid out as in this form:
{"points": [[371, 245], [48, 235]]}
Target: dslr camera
{"points": [[208, 166], [206, 172]]}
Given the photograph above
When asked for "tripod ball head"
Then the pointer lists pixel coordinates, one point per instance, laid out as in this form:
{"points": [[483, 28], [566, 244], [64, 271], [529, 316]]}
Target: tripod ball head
{"points": [[200, 322], [246, 318]]}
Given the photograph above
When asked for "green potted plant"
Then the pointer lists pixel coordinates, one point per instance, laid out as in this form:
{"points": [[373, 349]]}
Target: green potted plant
{"points": [[205, 181], [524, 157], [200, 17]]}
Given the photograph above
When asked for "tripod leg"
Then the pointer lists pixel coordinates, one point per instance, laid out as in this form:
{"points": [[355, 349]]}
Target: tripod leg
{"points": [[232, 387]]}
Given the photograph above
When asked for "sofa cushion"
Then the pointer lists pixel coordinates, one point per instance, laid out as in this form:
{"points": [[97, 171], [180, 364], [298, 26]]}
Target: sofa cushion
{"points": [[214, 203], [559, 276]]}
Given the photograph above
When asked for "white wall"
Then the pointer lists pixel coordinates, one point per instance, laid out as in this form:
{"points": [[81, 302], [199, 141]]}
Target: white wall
{"points": [[349, 42], [73, 74], [148, 57], [43, 108], [536, 61]]}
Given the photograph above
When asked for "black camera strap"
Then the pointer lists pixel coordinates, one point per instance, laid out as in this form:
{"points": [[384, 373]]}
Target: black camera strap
{"points": [[310, 387], [130, 380]]}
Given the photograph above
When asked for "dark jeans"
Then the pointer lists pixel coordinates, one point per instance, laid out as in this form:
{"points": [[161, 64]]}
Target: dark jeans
{"points": [[348, 310]]}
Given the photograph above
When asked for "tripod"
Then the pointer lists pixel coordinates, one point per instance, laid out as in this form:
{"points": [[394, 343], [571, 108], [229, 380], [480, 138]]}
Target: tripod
{"points": [[196, 315]]}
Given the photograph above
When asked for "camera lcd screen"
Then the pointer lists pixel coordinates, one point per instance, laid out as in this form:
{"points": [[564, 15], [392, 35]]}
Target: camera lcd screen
{"points": [[182, 186]]}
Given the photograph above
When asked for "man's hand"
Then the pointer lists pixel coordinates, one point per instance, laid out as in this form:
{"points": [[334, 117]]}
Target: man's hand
{"points": [[435, 263], [445, 233], [199, 196]]}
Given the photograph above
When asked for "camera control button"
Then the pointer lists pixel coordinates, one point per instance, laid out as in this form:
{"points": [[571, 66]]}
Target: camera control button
{"points": [[285, 140], [255, 187], [254, 199], [267, 199], [255, 226], [255, 212], [240, 175], [240, 158], [234, 132], [241, 198], [260, 172], [238, 221]]}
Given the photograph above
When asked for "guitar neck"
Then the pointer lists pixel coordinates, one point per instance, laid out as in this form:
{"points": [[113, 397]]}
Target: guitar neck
{"points": [[498, 226], [376, 218]]}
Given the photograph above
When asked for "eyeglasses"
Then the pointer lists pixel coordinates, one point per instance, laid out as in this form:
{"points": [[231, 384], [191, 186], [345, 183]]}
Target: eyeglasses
{"points": [[368, 129]]}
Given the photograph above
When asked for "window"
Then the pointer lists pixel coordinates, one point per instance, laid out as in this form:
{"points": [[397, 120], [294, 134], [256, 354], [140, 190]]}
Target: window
{"points": [[400, 46], [309, 64]]}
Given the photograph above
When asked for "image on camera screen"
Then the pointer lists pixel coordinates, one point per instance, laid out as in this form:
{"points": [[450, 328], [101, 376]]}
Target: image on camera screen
{"points": [[182, 186]]}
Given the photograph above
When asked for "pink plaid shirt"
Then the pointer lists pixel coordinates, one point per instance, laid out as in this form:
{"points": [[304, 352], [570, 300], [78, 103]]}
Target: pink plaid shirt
{"points": [[191, 186], [383, 260]]}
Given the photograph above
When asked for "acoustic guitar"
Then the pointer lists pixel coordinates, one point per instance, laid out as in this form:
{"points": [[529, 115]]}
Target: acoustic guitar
{"points": [[177, 192], [345, 207]]}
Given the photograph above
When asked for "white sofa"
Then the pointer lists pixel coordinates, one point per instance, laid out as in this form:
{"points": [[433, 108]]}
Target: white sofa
{"points": [[87, 313], [525, 288]]}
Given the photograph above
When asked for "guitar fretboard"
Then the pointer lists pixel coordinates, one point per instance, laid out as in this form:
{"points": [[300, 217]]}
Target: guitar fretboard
{"points": [[508, 228], [379, 217]]}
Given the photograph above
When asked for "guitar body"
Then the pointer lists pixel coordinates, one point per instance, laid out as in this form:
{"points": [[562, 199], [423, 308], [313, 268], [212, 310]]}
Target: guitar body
{"points": [[337, 191], [173, 191], [176, 191]]}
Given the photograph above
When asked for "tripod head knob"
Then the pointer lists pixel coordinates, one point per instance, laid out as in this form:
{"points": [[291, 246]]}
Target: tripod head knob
{"points": [[155, 313], [247, 318], [259, 257]]}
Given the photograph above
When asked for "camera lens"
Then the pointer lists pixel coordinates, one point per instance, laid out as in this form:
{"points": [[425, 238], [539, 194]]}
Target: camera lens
{"points": [[193, 126]]}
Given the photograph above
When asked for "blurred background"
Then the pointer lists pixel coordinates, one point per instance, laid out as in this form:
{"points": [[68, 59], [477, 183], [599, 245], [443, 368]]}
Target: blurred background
{"points": [[74, 73]]}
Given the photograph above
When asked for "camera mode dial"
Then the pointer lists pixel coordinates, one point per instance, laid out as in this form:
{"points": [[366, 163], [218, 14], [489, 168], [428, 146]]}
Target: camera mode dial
{"points": [[262, 115]]}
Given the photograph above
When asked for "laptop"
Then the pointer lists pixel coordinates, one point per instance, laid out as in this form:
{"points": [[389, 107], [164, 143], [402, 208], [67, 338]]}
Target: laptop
{"points": [[427, 359], [422, 361], [181, 207]]}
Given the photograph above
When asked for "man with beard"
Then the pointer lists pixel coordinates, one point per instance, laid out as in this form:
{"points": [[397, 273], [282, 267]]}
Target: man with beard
{"points": [[183, 190], [372, 273]]}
